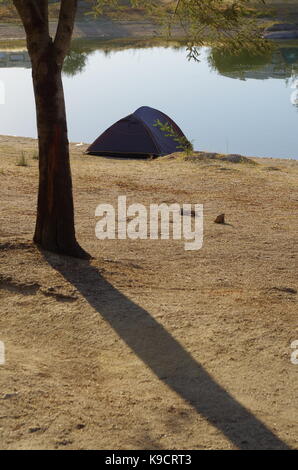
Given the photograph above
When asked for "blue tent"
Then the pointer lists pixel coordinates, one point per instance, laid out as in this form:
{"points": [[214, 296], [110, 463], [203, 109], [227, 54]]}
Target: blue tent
{"points": [[136, 135]]}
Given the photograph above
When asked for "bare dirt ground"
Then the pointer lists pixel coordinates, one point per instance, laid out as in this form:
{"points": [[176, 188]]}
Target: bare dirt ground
{"points": [[150, 346]]}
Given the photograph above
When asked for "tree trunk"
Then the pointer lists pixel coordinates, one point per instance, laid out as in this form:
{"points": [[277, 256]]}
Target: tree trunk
{"points": [[55, 212]]}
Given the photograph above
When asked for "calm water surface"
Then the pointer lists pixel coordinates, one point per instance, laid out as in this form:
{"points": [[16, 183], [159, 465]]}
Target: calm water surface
{"points": [[230, 105]]}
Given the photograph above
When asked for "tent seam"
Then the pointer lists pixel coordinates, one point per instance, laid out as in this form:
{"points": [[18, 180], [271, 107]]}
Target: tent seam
{"points": [[158, 148]]}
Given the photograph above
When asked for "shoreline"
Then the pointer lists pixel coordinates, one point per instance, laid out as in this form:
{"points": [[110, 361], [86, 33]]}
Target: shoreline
{"points": [[29, 144]]}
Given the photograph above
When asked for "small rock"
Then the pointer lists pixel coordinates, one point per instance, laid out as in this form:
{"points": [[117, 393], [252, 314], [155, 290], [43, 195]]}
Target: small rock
{"points": [[236, 158], [7, 396], [272, 168], [64, 442], [80, 426], [31, 430], [288, 290], [220, 219]]}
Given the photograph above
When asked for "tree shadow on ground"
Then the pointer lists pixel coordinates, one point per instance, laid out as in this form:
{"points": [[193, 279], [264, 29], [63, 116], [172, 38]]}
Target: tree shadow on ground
{"points": [[166, 358]]}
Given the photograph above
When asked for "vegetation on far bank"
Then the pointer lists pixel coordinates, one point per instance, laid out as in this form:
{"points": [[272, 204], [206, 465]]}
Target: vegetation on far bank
{"points": [[268, 11]]}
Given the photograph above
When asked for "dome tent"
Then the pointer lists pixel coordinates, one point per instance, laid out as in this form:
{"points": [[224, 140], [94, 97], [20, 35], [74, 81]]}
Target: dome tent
{"points": [[136, 135]]}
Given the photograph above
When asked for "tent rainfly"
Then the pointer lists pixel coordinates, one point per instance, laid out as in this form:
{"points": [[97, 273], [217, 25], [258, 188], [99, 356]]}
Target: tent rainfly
{"points": [[136, 135]]}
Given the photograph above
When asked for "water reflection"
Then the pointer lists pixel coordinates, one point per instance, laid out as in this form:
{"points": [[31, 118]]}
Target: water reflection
{"points": [[281, 63], [237, 104], [11, 58], [294, 95], [76, 61]]}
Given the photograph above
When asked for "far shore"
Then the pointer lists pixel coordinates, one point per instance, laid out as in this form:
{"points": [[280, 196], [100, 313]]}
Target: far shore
{"points": [[134, 25], [99, 29]]}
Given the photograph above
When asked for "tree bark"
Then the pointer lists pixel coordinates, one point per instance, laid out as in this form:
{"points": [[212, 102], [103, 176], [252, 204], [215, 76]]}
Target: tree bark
{"points": [[55, 229], [55, 212]]}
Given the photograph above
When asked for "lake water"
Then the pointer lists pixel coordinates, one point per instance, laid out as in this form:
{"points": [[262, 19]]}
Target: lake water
{"points": [[232, 105]]}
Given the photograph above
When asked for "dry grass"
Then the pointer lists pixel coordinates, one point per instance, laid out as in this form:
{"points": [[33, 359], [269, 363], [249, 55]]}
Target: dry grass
{"points": [[141, 348], [22, 160], [8, 12], [270, 8]]}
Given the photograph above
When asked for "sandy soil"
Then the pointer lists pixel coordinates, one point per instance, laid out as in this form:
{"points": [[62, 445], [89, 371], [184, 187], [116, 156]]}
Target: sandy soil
{"points": [[149, 346]]}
